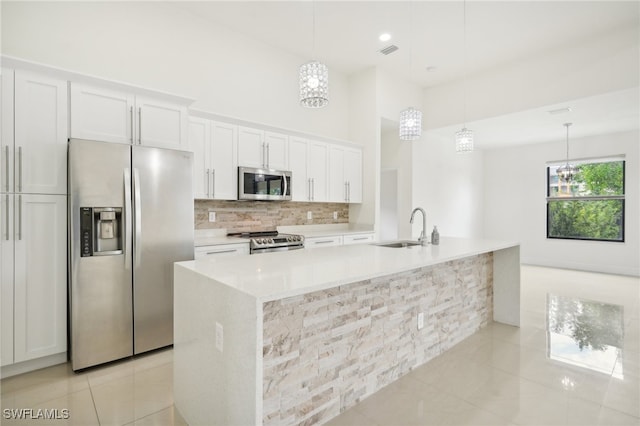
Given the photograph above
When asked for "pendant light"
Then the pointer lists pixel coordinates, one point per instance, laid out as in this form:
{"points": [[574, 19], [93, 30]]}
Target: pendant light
{"points": [[464, 137], [314, 78], [567, 171], [410, 118]]}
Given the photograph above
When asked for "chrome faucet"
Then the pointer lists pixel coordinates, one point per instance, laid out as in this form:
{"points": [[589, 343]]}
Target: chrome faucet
{"points": [[423, 234]]}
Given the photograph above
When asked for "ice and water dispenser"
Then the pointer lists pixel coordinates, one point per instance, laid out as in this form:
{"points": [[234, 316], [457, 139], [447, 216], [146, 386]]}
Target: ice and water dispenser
{"points": [[101, 231]]}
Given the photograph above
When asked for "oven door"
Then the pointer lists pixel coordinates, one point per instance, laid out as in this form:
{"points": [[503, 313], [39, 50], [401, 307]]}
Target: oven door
{"points": [[263, 184]]}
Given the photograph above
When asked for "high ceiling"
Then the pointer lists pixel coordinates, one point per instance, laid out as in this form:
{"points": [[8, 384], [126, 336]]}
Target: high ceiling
{"points": [[432, 34], [428, 33]]}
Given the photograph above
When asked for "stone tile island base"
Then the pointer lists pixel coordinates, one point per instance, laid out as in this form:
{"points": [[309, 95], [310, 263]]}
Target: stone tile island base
{"points": [[324, 351], [296, 337]]}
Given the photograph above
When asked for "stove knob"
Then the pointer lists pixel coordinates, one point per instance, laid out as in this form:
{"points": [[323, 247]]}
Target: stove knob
{"points": [[259, 241], [289, 238], [270, 241], [298, 238]]}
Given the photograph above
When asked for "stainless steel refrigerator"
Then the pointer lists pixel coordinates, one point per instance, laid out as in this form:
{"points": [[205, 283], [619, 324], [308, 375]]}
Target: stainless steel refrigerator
{"points": [[131, 218]]}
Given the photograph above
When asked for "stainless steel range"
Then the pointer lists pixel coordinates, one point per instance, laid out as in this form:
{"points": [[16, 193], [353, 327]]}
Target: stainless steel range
{"points": [[269, 241]]}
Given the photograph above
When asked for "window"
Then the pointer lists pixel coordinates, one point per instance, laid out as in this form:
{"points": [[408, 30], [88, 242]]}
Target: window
{"points": [[591, 205]]}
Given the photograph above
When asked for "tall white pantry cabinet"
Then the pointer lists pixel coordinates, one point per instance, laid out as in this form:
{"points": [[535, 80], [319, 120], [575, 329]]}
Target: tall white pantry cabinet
{"points": [[33, 248]]}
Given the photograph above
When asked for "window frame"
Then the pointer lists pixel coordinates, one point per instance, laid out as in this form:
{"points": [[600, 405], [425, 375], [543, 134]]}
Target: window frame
{"points": [[622, 197]]}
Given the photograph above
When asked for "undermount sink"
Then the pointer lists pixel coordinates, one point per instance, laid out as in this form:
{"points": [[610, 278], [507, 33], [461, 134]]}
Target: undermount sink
{"points": [[400, 244]]}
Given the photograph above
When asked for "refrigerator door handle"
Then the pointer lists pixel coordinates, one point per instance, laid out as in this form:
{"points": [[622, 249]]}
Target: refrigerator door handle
{"points": [[127, 218], [138, 217]]}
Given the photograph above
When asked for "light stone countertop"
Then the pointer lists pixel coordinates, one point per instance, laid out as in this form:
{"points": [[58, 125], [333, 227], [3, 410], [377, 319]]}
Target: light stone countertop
{"points": [[272, 276]]}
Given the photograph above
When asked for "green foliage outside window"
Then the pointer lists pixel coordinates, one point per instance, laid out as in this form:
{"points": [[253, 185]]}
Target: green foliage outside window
{"points": [[598, 217]]}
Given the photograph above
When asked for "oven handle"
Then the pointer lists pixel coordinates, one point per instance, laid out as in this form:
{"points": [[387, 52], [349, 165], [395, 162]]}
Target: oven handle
{"points": [[274, 249]]}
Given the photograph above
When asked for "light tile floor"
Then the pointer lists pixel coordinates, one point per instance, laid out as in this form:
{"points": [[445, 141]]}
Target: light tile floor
{"points": [[500, 375]]}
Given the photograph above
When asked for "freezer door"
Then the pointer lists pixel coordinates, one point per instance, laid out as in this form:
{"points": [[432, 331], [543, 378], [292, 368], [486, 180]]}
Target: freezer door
{"points": [[163, 234], [100, 287]]}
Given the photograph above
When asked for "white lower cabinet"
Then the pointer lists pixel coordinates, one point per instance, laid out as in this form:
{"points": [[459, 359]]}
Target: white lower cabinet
{"points": [[221, 250], [34, 276], [358, 239], [313, 242]]}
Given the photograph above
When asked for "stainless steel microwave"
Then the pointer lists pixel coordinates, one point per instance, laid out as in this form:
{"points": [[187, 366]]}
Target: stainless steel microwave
{"points": [[263, 184]]}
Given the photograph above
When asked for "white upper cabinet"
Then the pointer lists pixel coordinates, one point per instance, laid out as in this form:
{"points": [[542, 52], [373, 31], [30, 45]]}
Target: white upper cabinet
{"points": [[214, 146], [199, 144], [109, 115], [34, 154], [317, 158], [276, 151], [101, 114], [300, 183], [262, 149], [337, 184], [251, 147], [345, 174], [308, 165], [224, 161], [353, 174], [161, 124]]}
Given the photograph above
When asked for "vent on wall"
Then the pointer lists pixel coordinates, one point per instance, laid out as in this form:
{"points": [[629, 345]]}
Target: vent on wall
{"points": [[389, 49]]}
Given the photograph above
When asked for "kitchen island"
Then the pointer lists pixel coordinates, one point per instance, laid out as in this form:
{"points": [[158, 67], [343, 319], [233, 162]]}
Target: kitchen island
{"points": [[300, 336]]}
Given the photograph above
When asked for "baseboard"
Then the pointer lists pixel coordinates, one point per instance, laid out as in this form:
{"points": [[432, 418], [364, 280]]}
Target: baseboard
{"points": [[32, 364]]}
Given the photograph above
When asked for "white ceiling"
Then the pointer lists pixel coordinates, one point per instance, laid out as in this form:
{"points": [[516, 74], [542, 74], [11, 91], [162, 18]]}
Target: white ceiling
{"points": [[430, 34]]}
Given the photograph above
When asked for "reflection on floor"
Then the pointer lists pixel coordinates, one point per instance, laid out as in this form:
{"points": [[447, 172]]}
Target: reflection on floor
{"points": [[574, 361]]}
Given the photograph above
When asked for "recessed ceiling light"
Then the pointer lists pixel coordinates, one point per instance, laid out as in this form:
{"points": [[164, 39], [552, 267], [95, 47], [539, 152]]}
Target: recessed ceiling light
{"points": [[431, 68], [384, 37]]}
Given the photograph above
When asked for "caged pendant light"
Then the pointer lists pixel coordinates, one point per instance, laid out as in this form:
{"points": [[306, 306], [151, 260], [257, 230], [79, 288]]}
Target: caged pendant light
{"points": [[314, 78], [567, 171], [464, 137], [410, 118]]}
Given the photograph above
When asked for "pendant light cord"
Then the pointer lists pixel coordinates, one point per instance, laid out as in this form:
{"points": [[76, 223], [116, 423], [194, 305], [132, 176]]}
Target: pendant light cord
{"points": [[567, 126], [313, 26], [464, 61]]}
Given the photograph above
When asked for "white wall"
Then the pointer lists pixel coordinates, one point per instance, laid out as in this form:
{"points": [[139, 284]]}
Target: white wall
{"points": [[364, 129], [600, 65], [154, 45], [396, 155], [448, 186], [515, 207]]}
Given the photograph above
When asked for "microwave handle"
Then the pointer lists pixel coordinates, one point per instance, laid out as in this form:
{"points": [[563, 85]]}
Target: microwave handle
{"points": [[284, 177]]}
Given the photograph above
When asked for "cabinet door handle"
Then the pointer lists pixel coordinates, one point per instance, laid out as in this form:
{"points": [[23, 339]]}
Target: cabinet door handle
{"points": [[139, 125], [360, 238], [263, 155], [19, 169], [313, 189], [324, 242], [208, 184], [213, 183], [6, 218], [222, 251], [348, 191], [6, 167], [19, 217], [268, 149], [131, 118], [346, 197], [309, 189]]}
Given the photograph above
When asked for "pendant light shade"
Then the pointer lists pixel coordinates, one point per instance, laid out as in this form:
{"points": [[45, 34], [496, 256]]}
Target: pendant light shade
{"points": [[314, 84], [314, 78], [410, 124], [464, 140], [567, 171]]}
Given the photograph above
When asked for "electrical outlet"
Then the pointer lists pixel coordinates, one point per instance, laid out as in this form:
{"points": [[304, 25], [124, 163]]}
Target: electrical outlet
{"points": [[219, 336], [335, 215], [309, 215], [212, 216], [420, 320]]}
